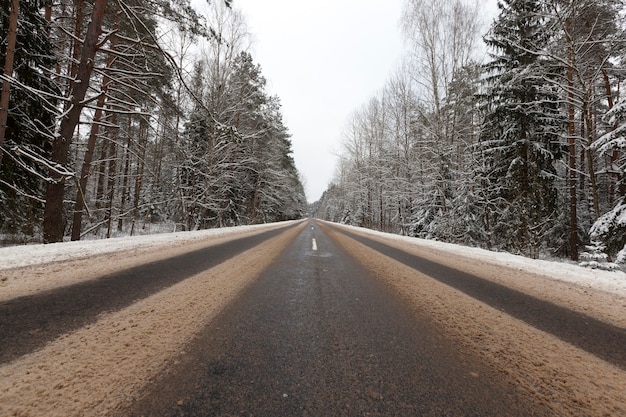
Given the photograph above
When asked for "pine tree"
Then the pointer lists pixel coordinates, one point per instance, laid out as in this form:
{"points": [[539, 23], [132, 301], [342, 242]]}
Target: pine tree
{"points": [[30, 117], [238, 169]]}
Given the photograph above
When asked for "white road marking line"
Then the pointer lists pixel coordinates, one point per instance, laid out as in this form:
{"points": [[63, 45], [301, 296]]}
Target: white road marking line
{"points": [[314, 245]]}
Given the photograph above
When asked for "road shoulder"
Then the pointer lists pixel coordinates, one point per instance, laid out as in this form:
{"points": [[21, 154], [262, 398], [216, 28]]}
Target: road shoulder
{"points": [[566, 379], [99, 368]]}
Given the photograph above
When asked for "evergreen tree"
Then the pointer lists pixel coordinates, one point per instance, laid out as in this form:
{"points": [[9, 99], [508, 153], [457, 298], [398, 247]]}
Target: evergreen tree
{"points": [[239, 169], [464, 224], [30, 119], [610, 228], [522, 127]]}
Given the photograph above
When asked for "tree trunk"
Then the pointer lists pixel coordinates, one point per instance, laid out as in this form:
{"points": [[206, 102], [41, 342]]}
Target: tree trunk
{"points": [[111, 180], [101, 177], [571, 130], [139, 178], [590, 165], [53, 223], [48, 14], [8, 72], [84, 173], [79, 204], [614, 175], [126, 175]]}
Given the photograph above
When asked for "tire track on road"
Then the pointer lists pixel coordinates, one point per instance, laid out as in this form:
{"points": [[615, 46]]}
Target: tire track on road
{"points": [[566, 379], [318, 335], [27, 323], [100, 367], [601, 339]]}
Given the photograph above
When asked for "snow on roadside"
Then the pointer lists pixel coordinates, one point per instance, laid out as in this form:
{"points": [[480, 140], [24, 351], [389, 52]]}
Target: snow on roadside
{"points": [[613, 282], [21, 256]]}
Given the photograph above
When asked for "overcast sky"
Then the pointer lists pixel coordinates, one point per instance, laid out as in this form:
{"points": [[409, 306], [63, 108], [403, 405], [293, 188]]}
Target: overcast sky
{"points": [[324, 59]]}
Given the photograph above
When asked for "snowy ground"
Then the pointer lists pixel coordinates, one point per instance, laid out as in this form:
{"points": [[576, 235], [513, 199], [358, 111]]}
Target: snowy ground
{"points": [[19, 256], [27, 255], [613, 282]]}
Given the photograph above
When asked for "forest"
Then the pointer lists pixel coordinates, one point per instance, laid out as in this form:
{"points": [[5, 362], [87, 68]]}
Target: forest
{"points": [[122, 115], [510, 140]]}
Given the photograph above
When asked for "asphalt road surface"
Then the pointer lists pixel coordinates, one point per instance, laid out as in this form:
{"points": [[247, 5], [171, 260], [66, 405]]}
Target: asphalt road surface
{"points": [[317, 335], [596, 337], [304, 328], [27, 323]]}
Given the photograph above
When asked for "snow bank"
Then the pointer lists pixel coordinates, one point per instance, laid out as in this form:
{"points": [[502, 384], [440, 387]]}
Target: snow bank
{"points": [[609, 281], [20, 256]]}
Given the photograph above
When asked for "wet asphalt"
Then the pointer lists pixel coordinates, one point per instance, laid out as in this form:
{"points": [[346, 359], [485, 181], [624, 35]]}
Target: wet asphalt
{"points": [[318, 335]]}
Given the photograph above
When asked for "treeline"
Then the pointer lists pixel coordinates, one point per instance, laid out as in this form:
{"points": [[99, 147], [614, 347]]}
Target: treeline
{"points": [[522, 151], [122, 113]]}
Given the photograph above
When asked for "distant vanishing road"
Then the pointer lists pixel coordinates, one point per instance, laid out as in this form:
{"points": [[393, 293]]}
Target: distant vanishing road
{"points": [[308, 319]]}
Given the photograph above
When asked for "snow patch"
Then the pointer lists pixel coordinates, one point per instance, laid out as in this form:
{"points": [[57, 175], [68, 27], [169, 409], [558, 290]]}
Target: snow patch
{"points": [[21, 256]]}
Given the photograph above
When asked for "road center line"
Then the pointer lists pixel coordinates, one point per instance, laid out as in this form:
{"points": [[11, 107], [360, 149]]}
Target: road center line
{"points": [[314, 245]]}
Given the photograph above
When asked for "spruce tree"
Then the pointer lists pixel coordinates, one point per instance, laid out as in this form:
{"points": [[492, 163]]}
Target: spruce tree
{"points": [[610, 228], [523, 121]]}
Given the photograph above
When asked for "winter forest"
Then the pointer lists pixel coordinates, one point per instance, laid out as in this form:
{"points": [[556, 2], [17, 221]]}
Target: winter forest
{"points": [[117, 114], [510, 140]]}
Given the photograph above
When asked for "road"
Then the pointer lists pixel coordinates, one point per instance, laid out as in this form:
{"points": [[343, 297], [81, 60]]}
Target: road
{"points": [[46, 315], [305, 320]]}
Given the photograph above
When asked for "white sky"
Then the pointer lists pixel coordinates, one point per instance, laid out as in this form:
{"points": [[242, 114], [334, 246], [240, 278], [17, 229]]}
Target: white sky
{"points": [[324, 59]]}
